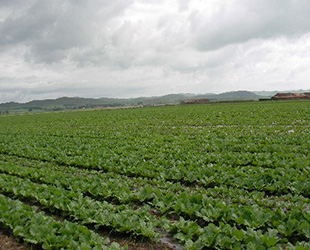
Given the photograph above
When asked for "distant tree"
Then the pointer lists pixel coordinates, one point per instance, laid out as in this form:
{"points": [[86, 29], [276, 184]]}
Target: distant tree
{"points": [[57, 109], [6, 112]]}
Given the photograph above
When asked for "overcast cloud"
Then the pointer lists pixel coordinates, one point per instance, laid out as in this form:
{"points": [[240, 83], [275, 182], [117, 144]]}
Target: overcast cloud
{"points": [[129, 48]]}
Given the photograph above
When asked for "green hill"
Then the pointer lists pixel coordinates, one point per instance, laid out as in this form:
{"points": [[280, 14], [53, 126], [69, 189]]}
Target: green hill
{"points": [[69, 103]]}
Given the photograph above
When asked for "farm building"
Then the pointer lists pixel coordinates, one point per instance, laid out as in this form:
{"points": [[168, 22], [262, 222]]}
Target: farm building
{"points": [[196, 101], [294, 96]]}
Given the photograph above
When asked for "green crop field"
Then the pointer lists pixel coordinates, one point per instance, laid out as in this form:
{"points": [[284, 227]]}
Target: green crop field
{"points": [[218, 176]]}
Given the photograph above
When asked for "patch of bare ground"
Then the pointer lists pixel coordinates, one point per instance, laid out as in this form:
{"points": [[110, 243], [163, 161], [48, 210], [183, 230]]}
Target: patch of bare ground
{"points": [[137, 244], [143, 245], [9, 242]]}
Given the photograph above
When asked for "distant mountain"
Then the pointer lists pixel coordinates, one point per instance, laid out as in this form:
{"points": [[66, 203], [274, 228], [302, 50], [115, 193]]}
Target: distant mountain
{"points": [[9, 105], [266, 94], [69, 103], [236, 95]]}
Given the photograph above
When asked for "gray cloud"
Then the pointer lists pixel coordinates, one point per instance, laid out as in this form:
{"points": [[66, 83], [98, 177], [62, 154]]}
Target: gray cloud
{"points": [[126, 48], [50, 29], [246, 20]]}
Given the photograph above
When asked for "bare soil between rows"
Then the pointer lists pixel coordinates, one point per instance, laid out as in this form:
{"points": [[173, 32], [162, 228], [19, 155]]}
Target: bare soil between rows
{"points": [[9, 242]]}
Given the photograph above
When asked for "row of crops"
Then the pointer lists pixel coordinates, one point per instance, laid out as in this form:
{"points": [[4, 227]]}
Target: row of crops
{"points": [[221, 176]]}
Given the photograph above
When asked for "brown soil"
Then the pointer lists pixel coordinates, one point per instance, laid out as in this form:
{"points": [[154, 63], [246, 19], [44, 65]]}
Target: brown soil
{"points": [[143, 246], [10, 243]]}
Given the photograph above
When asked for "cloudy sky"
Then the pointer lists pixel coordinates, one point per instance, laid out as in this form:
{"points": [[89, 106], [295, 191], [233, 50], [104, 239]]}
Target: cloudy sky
{"points": [[129, 48]]}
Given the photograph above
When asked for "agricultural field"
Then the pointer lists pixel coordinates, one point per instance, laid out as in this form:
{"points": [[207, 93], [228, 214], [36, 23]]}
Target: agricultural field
{"points": [[216, 176]]}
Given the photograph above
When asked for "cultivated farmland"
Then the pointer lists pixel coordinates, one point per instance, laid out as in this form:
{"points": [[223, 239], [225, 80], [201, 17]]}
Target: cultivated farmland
{"points": [[215, 176]]}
